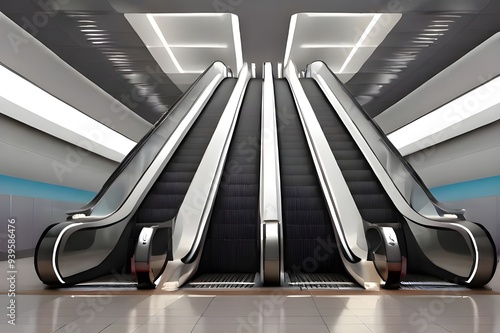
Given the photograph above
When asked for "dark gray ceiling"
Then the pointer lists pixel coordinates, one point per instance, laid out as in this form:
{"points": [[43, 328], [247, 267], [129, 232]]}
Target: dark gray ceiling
{"points": [[397, 67]]}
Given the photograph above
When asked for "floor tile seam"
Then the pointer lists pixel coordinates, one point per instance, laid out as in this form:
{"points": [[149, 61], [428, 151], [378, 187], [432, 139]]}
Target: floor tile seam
{"points": [[204, 311]]}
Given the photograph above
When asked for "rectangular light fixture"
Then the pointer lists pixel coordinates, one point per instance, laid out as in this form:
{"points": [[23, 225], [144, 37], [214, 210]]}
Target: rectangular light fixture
{"points": [[27, 103], [365, 34], [291, 35], [356, 37], [162, 39], [170, 36], [465, 113]]}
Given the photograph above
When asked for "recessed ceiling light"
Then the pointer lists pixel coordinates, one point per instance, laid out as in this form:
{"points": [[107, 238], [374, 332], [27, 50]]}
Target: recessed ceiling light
{"points": [[365, 34], [436, 30], [291, 35], [92, 30], [437, 125], [238, 53], [162, 39], [423, 41], [96, 35], [47, 113], [431, 34], [168, 36], [356, 37], [438, 26]]}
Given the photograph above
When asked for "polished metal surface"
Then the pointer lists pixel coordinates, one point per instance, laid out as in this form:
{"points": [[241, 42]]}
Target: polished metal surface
{"points": [[270, 188], [385, 252], [473, 260], [192, 220], [96, 235], [347, 221], [150, 256], [166, 135], [197, 204]]}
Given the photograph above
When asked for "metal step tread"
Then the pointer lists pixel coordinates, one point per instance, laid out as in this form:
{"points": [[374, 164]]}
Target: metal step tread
{"points": [[322, 281], [231, 281], [428, 283]]}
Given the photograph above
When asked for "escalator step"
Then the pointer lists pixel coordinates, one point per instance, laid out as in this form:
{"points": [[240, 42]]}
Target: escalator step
{"points": [[307, 226], [223, 281], [322, 281], [373, 203]]}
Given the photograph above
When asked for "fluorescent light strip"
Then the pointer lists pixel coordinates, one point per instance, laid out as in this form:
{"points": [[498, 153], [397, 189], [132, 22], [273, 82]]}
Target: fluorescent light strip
{"points": [[38, 103], [447, 116], [237, 42], [365, 34], [291, 33], [159, 34], [55, 250], [93, 30]]}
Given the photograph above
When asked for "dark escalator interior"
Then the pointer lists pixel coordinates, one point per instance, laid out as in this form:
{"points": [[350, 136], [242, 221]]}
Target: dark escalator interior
{"points": [[230, 257], [164, 199], [373, 202], [311, 257], [162, 202]]}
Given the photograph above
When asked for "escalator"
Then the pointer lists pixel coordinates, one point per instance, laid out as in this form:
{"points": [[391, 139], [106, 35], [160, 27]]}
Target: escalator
{"points": [[139, 202], [311, 255], [233, 232], [372, 202], [438, 247], [316, 213], [165, 197]]}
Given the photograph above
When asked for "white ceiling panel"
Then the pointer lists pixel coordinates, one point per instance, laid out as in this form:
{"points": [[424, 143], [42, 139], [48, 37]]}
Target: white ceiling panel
{"points": [[344, 41], [189, 43], [195, 29]]}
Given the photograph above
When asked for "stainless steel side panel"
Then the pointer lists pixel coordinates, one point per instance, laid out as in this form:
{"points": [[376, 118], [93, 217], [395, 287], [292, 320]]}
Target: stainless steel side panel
{"points": [[192, 219], [272, 269], [347, 221], [472, 258], [70, 248]]}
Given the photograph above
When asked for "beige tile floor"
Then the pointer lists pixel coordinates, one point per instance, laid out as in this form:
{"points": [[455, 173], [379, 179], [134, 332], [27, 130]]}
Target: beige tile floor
{"points": [[121, 311]]}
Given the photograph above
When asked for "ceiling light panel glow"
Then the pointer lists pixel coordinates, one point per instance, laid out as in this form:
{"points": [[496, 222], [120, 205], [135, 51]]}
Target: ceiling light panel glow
{"points": [[343, 40], [187, 43], [476, 108], [163, 41], [53, 116], [365, 34]]}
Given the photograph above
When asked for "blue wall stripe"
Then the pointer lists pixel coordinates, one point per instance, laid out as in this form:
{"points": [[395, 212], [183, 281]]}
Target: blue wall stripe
{"points": [[29, 188], [478, 188]]}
